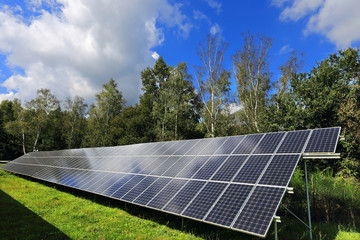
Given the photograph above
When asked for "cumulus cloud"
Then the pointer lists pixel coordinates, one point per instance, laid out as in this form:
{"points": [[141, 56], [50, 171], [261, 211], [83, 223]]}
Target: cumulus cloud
{"points": [[73, 47], [215, 29], [215, 5], [285, 49], [338, 21]]}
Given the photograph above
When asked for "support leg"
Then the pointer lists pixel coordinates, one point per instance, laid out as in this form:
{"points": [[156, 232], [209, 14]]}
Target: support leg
{"points": [[308, 201]]}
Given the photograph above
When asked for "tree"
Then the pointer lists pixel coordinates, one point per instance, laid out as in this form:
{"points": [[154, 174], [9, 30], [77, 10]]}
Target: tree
{"points": [[20, 126], [40, 109], [168, 102], [213, 81], [283, 111], [74, 124], [251, 65], [109, 106], [321, 92], [184, 104], [9, 144]]}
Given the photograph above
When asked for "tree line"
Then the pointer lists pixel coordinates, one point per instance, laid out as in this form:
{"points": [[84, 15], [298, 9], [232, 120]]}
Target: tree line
{"points": [[176, 105]]}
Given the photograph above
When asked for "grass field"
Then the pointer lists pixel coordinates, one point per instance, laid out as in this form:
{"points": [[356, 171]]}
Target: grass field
{"points": [[31, 209]]}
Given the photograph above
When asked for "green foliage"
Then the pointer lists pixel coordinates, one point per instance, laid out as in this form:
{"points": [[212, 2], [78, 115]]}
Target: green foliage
{"points": [[344, 235], [10, 146], [169, 102], [103, 115], [251, 64], [332, 199], [214, 85]]}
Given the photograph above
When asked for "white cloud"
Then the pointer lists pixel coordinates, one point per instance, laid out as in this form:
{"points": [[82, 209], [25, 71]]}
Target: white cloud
{"points": [[155, 55], [285, 49], [77, 46], [338, 21], [8, 96], [215, 5], [215, 29]]}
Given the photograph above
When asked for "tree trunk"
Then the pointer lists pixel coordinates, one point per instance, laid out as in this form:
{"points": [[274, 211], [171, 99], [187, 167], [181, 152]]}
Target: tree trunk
{"points": [[23, 142], [36, 140]]}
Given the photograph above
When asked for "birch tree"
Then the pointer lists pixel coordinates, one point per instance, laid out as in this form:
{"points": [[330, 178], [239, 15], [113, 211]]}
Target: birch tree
{"points": [[40, 108], [251, 66], [74, 115], [213, 81], [109, 105]]}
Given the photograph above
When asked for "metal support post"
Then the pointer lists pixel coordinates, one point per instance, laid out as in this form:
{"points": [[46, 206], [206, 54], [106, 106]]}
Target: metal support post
{"points": [[276, 232], [308, 201], [182, 224]]}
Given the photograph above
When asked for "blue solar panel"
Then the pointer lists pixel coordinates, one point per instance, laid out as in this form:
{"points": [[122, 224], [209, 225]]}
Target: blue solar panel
{"points": [[184, 196], [322, 140], [209, 168], [252, 169], [248, 144], [152, 191], [269, 143], [259, 211], [167, 193], [294, 142], [204, 200], [229, 205], [227, 171], [138, 188], [280, 170]]}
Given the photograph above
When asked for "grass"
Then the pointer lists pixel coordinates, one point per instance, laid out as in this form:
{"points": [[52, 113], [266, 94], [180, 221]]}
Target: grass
{"points": [[31, 209]]}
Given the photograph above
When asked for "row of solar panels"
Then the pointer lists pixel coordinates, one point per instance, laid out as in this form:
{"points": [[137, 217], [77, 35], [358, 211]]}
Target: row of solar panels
{"points": [[214, 202], [224, 181], [264, 143], [240, 169]]}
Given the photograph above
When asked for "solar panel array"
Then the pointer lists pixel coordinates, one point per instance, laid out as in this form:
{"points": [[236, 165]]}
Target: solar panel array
{"points": [[234, 182]]}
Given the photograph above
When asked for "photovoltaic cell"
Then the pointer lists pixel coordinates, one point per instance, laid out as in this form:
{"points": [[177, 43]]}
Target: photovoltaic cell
{"points": [[322, 140], [252, 169], [280, 170], [119, 193], [204, 200], [229, 145], [192, 167], [229, 205], [209, 168], [178, 166], [248, 144], [213, 146], [150, 193], [259, 211], [294, 142], [236, 182], [199, 146], [269, 143], [184, 196], [138, 188], [167, 193], [227, 171]]}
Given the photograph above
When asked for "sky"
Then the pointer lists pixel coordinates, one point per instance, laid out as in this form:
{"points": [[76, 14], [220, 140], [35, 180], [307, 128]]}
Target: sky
{"points": [[73, 47]]}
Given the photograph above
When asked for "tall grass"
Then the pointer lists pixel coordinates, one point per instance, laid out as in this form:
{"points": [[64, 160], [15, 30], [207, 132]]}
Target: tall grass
{"points": [[332, 198]]}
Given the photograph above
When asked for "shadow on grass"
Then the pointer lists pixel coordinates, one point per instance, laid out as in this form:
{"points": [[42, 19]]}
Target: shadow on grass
{"points": [[289, 229], [18, 222], [196, 228]]}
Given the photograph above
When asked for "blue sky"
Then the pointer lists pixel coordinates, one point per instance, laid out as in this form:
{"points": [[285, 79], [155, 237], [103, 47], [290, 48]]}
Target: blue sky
{"points": [[72, 47]]}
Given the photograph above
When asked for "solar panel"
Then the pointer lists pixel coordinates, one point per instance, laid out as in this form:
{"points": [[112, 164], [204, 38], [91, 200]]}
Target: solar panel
{"points": [[234, 182]]}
